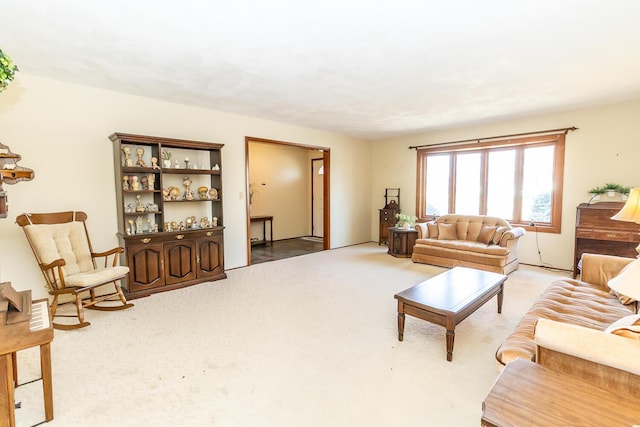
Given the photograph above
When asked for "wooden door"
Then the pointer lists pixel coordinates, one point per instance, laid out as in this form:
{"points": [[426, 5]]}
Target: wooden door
{"points": [[145, 267], [210, 255], [180, 259]]}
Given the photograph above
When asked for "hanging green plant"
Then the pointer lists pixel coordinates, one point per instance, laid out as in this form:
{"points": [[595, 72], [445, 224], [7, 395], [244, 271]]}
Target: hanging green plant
{"points": [[7, 70]]}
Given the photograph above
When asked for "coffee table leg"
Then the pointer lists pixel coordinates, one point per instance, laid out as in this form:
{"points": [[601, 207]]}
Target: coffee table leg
{"points": [[400, 320], [500, 296], [450, 337]]}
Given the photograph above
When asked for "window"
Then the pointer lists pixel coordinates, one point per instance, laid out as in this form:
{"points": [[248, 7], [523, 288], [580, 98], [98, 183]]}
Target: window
{"points": [[519, 180]]}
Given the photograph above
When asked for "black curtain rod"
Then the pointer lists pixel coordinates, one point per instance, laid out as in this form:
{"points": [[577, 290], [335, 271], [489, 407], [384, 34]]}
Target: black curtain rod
{"points": [[540, 132]]}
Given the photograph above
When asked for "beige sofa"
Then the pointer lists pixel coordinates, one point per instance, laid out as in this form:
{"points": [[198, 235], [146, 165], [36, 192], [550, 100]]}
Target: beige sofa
{"points": [[476, 241], [587, 304]]}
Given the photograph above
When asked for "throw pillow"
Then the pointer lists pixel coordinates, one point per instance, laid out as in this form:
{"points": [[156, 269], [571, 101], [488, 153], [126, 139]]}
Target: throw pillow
{"points": [[626, 282], [433, 230], [447, 232], [498, 235], [486, 234], [628, 327]]}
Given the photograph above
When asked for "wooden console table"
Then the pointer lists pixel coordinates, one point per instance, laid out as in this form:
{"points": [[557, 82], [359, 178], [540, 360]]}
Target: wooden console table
{"points": [[263, 219], [528, 394]]}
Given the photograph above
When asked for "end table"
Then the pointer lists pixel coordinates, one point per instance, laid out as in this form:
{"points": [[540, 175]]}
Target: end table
{"points": [[401, 241]]}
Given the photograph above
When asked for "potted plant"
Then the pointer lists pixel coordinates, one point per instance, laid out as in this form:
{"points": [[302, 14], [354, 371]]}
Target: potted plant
{"points": [[7, 70], [405, 221], [610, 189]]}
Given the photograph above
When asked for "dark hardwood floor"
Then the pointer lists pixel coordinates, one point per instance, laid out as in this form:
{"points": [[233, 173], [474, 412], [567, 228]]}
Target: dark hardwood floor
{"points": [[284, 249]]}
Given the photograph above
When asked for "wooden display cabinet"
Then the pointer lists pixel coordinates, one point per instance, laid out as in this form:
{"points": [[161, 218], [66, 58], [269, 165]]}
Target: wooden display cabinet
{"points": [[163, 251]]}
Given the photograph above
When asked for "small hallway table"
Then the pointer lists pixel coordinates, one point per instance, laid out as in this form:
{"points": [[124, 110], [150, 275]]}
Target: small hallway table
{"points": [[263, 219]]}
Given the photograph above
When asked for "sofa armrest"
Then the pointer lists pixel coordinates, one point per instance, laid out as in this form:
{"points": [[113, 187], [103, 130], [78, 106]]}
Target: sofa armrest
{"points": [[512, 234], [592, 345], [598, 269], [423, 231]]}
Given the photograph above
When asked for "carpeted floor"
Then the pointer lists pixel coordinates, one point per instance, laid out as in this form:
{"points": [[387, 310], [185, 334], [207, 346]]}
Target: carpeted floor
{"points": [[304, 341]]}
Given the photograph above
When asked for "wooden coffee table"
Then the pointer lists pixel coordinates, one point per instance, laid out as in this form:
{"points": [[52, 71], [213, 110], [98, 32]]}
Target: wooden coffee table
{"points": [[449, 298]]}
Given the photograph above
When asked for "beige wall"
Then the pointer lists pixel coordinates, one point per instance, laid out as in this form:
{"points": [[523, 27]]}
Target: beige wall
{"points": [[61, 131], [606, 148]]}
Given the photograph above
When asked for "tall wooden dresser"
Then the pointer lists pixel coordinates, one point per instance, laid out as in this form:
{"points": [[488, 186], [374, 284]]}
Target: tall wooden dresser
{"points": [[597, 233], [388, 213]]}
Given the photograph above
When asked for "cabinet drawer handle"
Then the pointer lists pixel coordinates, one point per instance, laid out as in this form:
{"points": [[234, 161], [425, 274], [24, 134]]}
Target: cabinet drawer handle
{"points": [[180, 236], [209, 233], [146, 240]]}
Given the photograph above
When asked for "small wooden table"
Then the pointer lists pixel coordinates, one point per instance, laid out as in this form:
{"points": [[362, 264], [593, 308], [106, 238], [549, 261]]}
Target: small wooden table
{"points": [[528, 394], [263, 219], [401, 241], [449, 298]]}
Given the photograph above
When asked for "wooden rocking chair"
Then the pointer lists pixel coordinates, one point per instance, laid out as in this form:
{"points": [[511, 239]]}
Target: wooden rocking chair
{"points": [[61, 245]]}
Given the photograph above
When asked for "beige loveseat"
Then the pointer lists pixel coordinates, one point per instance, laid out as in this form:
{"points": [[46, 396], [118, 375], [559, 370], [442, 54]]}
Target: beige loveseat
{"points": [[587, 303], [476, 241]]}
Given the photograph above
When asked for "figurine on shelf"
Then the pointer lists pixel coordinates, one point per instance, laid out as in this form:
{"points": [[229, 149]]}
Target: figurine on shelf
{"points": [[166, 159], [134, 183], [215, 167], [204, 222], [167, 226], [213, 194], [129, 208], [138, 225], [214, 221], [174, 226], [176, 165], [125, 183], [186, 163], [155, 228], [188, 193], [151, 181], [140, 153], [165, 194], [139, 205], [149, 226], [181, 226], [174, 193], [130, 229], [189, 222], [154, 163], [127, 156], [202, 193], [144, 181]]}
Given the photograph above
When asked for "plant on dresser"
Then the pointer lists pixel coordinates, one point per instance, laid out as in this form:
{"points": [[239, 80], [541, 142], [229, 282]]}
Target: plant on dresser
{"points": [[170, 219]]}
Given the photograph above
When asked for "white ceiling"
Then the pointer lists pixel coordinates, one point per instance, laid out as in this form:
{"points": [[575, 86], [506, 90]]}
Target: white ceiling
{"points": [[371, 69]]}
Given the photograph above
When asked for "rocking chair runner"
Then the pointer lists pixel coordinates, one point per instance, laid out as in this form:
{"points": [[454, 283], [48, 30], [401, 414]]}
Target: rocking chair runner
{"points": [[61, 245]]}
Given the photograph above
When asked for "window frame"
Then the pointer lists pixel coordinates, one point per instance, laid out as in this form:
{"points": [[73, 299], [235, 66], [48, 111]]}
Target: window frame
{"points": [[556, 140]]}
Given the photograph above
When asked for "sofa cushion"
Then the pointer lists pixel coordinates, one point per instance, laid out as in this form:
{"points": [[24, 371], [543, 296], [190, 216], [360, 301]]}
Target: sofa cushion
{"points": [[486, 234], [628, 327], [570, 301], [447, 232], [498, 234], [627, 281], [433, 230]]}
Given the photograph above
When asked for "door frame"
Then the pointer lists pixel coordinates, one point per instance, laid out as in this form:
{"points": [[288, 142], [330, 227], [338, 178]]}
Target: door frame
{"points": [[326, 162], [313, 219]]}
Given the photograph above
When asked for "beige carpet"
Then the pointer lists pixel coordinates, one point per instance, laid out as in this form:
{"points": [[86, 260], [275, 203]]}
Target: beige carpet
{"points": [[305, 341]]}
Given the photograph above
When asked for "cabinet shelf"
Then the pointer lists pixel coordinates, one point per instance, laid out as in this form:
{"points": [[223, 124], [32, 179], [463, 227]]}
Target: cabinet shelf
{"points": [[165, 260]]}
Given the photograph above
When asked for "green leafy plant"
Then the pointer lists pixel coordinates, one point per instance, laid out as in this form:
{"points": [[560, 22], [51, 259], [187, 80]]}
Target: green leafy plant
{"points": [[402, 219], [610, 187], [7, 70]]}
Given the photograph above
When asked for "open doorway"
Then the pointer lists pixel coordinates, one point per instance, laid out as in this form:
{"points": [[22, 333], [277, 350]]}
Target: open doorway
{"points": [[287, 201]]}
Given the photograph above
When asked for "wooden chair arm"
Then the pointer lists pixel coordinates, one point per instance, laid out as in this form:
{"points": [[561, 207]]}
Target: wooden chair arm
{"points": [[55, 282], [115, 251]]}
